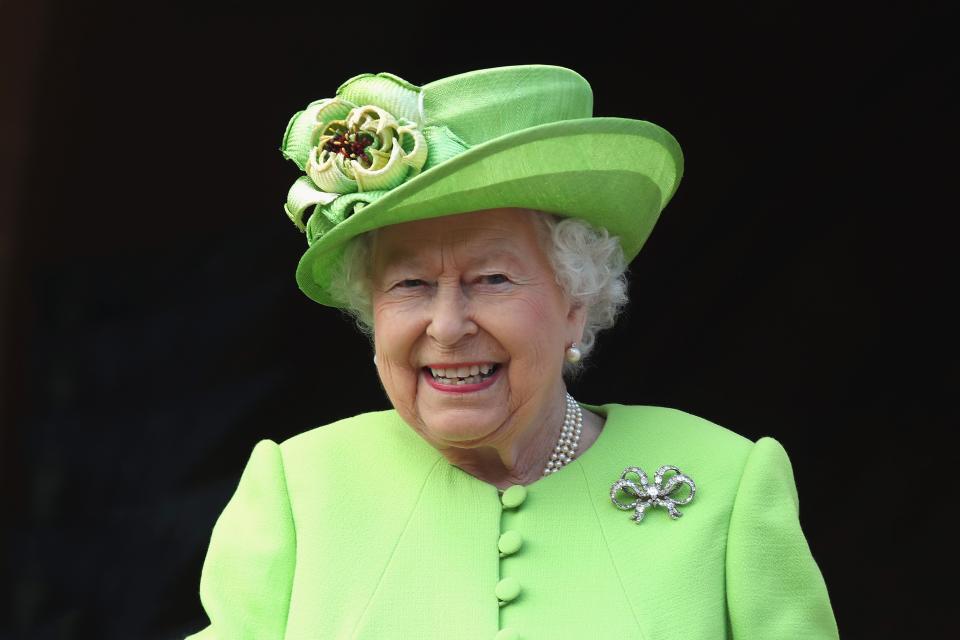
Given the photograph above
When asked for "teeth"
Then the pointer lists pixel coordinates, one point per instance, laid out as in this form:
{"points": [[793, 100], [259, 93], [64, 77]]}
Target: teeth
{"points": [[462, 375]]}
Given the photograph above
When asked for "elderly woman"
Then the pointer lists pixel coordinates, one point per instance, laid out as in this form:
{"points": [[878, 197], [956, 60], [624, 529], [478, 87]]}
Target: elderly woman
{"points": [[478, 228]]}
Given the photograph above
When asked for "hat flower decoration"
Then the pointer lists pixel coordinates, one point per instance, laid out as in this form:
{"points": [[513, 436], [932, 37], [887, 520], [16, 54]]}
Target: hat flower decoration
{"points": [[366, 151], [384, 151], [347, 148]]}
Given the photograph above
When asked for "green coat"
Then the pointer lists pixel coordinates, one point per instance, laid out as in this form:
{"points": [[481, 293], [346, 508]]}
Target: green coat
{"points": [[361, 529]]}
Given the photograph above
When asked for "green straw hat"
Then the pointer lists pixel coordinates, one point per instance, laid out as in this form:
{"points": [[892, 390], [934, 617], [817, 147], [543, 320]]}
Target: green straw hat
{"points": [[384, 151]]}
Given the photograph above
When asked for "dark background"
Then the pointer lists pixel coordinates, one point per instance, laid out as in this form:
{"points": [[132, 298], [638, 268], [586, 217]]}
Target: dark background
{"points": [[152, 331]]}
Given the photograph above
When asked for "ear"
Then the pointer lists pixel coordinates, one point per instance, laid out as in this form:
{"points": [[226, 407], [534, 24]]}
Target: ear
{"points": [[576, 321]]}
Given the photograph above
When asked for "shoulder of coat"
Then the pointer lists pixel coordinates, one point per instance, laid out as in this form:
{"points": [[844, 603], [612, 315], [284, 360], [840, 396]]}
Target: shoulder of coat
{"points": [[365, 439], [366, 427], [669, 424]]}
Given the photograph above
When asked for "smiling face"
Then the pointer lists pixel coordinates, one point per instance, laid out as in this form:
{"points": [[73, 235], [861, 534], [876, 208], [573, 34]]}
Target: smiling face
{"points": [[470, 326]]}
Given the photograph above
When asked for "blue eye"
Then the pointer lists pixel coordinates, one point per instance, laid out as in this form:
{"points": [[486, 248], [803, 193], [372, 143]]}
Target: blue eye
{"points": [[496, 278], [410, 283]]}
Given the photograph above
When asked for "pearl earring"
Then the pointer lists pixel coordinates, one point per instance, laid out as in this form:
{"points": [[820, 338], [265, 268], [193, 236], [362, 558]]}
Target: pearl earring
{"points": [[573, 354], [374, 359]]}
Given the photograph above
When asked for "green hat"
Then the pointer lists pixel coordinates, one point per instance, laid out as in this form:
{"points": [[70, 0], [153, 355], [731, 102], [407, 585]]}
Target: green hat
{"points": [[384, 151]]}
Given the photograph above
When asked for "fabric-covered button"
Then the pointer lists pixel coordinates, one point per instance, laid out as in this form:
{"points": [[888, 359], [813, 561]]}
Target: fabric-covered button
{"points": [[514, 496], [507, 589], [509, 542], [507, 634]]}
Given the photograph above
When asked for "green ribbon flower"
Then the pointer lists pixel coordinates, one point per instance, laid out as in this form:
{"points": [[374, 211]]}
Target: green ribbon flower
{"points": [[367, 151], [354, 148]]}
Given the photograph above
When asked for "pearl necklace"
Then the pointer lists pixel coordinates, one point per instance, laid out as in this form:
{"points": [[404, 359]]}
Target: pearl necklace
{"points": [[569, 438]]}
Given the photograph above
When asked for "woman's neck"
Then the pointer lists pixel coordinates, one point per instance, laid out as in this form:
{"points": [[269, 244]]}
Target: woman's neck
{"points": [[522, 459]]}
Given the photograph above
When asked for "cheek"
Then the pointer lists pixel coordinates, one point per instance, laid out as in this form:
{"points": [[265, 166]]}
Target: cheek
{"points": [[398, 381], [389, 328], [532, 332], [395, 341]]}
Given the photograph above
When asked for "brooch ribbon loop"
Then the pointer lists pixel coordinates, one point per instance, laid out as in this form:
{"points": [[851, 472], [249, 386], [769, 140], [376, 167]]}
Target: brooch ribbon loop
{"points": [[651, 495]]}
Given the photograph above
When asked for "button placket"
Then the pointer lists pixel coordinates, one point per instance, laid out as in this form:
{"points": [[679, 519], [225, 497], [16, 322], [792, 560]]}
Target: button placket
{"points": [[509, 543]]}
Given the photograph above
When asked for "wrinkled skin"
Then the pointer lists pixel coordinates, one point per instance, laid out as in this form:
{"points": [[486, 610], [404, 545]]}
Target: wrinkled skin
{"points": [[476, 287]]}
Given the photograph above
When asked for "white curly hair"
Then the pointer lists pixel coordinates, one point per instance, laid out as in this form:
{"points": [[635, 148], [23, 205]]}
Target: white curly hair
{"points": [[588, 262]]}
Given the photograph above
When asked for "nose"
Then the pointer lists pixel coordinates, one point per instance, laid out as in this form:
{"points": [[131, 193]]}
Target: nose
{"points": [[450, 315]]}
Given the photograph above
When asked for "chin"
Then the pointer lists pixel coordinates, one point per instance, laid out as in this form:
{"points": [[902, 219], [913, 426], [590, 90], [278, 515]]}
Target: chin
{"points": [[464, 427]]}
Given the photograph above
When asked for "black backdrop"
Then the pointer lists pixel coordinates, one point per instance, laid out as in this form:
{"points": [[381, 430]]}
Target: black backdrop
{"points": [[153, 332]]}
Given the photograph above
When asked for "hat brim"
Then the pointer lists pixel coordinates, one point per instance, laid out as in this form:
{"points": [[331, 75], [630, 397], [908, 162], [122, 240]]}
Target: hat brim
{"points": [[617, 173]]}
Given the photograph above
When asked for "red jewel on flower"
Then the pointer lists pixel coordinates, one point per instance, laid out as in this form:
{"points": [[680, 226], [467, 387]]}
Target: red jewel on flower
{"points": [[351, 145]]}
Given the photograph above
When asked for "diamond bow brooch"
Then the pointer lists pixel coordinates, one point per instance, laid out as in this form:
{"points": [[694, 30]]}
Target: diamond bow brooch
{"points": [[651, 495]]}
